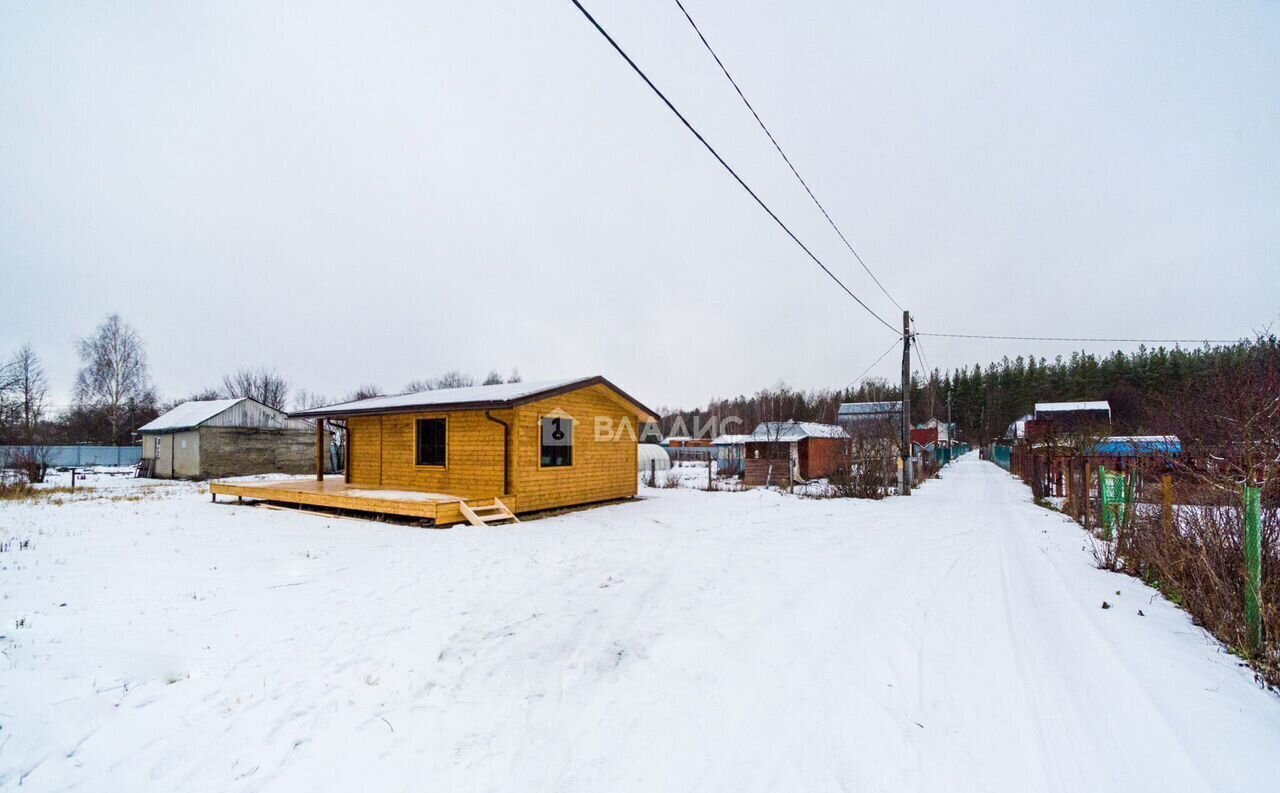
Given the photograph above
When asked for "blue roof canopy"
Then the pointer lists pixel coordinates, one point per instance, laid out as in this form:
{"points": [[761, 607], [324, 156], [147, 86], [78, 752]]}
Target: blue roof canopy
{"points": [[1139, 446]]}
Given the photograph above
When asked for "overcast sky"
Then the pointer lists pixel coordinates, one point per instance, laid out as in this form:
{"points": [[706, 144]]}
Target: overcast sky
{"points": [[375, 192]]}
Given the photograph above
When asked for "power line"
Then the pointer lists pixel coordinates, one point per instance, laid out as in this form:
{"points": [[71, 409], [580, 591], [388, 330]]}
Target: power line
{"points": [[726, 165], [915, 339], [1079, 338], [785, 158], [876, 361]]}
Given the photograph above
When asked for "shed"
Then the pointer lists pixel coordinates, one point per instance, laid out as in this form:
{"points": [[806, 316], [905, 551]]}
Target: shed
{"points": [[531, 446], [795, 450], [730, 453], [924, 440], [946, 432], [226, 437]]}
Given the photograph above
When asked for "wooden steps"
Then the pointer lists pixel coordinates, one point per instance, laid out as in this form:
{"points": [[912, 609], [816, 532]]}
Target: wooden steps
{"points": [[487, 514]]}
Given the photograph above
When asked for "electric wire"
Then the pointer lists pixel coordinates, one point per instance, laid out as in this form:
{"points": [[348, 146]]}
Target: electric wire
{"points": [[726, 165], [1078, 339], [915, 339], [873, 363], [783, 154]]}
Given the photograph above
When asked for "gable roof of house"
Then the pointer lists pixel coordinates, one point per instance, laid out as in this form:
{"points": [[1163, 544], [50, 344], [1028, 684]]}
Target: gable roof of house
{"points": [[478, 397], [238, 412], [1070, 407], [857, 410], [796, 430], [189, 415], [1138, 445]]}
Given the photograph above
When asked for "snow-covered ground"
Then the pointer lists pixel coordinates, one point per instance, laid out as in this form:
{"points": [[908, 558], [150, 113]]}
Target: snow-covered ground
{"points": [[691, 641]]}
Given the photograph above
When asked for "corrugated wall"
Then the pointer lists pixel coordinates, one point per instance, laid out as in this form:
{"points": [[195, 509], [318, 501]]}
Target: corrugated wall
{"points": [[79, 456], [251, 415]]}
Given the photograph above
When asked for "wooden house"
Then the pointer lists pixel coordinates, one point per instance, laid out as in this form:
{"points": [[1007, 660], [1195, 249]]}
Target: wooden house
{"points": [[1069, 420], [480, 453]]}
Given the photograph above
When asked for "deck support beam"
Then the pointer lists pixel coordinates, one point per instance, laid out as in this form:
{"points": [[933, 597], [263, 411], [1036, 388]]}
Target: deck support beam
{"points": [[319, 450]]}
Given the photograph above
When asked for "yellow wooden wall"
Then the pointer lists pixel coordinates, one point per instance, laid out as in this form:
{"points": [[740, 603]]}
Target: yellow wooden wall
{"points": [[602, 470], [364, 454], [382, 454]]}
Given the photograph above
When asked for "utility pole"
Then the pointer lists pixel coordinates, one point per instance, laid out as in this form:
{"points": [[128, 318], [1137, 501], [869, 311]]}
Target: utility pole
{"points": [[904, 485]]}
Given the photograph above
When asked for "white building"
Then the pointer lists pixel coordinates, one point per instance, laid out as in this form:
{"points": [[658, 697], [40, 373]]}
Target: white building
{"points": [[227, 437]]}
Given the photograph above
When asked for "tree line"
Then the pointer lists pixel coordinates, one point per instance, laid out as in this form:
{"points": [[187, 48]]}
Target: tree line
{"points": [[114, 393], [986, 399]]}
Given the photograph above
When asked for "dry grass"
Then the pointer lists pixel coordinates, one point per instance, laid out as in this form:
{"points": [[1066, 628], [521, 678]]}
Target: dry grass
{"points": [[21, 491], [1195, 557]]}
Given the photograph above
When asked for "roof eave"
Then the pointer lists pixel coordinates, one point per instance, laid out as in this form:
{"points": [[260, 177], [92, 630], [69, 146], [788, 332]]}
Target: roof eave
{"points": [[487, 404]]}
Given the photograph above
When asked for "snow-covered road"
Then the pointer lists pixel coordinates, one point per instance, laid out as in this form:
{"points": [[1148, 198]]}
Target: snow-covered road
{"points": [[690, 641]]}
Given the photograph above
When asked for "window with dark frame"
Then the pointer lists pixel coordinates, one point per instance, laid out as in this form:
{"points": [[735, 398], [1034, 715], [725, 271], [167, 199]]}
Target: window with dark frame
{"points": [[431, 442], [557, 441]]}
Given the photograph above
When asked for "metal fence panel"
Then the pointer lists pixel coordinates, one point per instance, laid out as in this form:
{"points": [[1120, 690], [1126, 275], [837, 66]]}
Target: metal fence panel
{"points": [[79, 456], [1001, 455]]}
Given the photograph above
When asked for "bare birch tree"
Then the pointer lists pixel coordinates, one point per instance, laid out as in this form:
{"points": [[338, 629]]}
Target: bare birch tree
{"points": [[113, 378], [30, 389]]}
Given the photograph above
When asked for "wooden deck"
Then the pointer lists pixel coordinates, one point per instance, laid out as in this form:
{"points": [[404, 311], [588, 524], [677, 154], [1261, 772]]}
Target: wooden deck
{"points": [[334, 493]]}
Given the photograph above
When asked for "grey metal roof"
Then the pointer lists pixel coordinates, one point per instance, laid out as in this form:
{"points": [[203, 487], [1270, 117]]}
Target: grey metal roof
{"points": [[243, 412], [1068, 407], [868, 409], [188, 415], [478, 397], [795, 430]]}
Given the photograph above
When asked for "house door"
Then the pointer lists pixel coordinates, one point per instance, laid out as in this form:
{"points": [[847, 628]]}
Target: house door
{"points": [[795, 461]]}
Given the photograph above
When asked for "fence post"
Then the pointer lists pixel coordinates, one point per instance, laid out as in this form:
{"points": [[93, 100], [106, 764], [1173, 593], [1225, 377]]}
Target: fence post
{"points": [[1166, 504], [711, 485], [1070, 504], [653, 473], [1104, 502], [1253, 567], [1087, 496]]}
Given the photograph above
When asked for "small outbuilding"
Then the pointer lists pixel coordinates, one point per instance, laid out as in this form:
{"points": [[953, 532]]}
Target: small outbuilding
{"points": [[209, 438], [781, 452], [731, 453]]}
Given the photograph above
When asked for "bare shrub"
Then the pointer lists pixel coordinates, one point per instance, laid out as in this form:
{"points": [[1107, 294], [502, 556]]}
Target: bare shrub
{"points": [[1193, 553], [857, 479], [670, 478], [1190, 545], [31, 461]]}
